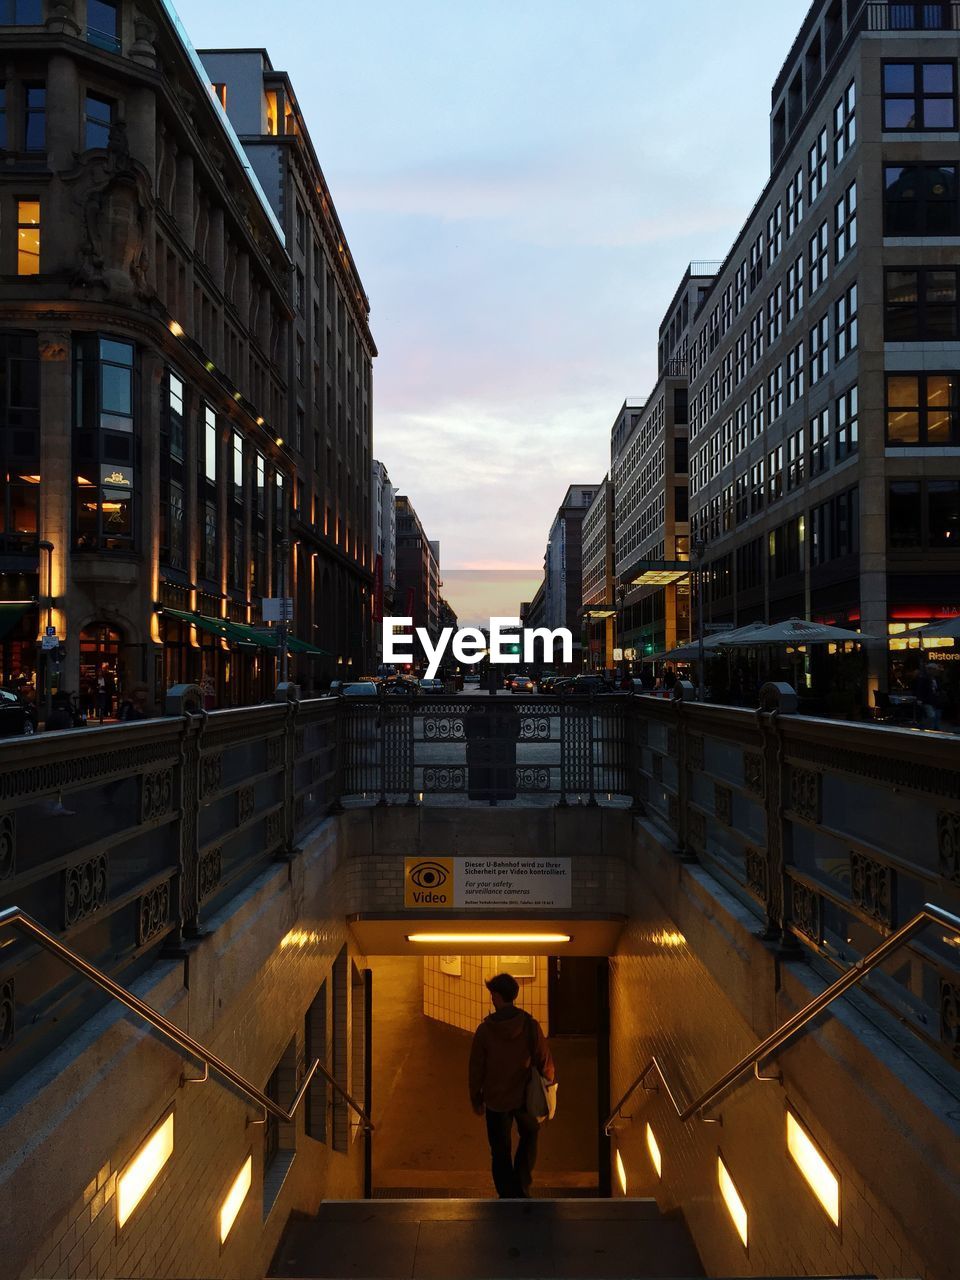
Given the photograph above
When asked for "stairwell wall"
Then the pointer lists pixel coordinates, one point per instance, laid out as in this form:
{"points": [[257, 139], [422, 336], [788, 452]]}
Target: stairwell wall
{"points": [[693, 983]]}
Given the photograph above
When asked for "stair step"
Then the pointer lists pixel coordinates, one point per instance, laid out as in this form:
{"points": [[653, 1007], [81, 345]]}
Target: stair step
{"points": [[465, 1209]]}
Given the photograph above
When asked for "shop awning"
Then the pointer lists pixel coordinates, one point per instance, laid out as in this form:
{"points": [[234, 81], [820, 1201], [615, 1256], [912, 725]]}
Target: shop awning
{"points": [[11, 611], [243, 634]]}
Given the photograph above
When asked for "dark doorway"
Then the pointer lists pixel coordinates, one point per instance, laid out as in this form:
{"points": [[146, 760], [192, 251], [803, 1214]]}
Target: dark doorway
{"points": [[573, 991]]}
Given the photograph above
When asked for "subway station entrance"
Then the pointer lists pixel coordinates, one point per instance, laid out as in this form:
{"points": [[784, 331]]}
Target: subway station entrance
{"points": [[428, 1140]]}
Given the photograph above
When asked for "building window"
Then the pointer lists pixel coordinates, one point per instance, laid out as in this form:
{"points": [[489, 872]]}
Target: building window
{"points": [[920, 200], [835, 528], [796, 460], [98, 117], [919, 96], [845, 123], [845, 223], [775, 234], [756, 413], [301, 224], [817, 167], [209, 557], [103, 444], [34, 117], [774, 315], [756, 338], [845, 323], [176, 539], [924, 514], [775, 394], [775, 475], [818, 348], [741, 288], [795, 203], [301, 358], [818, 257], [756, 262], [210, 444], [301, 290], [795, 290], [795, 374], [219, 91], [20, 13], [28, 237], [922, 409], [847, 433], [921, 304], [756, 488], [819, 443], [175, 415], [19, 445], [741, 360], [103, 25]]}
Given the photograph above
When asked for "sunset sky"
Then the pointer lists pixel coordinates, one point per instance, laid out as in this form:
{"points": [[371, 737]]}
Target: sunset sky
{"points": [[522, 186]]}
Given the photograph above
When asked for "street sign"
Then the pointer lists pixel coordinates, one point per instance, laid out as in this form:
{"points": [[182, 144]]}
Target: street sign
{"points": [[50, 629], [278, 609], [49, 641]]}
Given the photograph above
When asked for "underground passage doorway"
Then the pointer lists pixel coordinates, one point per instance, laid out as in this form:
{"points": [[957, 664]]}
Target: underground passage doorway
{"points": [[428, 1142]]}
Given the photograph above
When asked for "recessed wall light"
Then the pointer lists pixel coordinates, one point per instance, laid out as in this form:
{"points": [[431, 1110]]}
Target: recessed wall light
{"points": [[731, 1198], [621, 1174], [481, 939], [141, 1173], [814, 1166], [235, 1197], [654, 1148]]}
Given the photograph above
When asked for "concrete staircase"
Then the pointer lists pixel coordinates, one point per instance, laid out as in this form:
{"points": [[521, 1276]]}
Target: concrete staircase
{"points": [[487, 1240]]}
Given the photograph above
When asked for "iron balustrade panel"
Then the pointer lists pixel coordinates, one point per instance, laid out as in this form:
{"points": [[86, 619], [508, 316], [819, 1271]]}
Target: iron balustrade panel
{"points": [[241, 798], [727, 821], [89, 846], [312, 743], [871, 822], [360, 726]]}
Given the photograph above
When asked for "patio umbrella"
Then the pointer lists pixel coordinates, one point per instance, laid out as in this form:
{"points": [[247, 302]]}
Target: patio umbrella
{"points": [[716, 640], [946, 629], [795, 631]]}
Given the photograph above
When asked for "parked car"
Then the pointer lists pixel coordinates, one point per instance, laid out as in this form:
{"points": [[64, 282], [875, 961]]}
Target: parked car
{"points": [[523, 684], [14, 720], [431, 686], [360, 689], [472, 676], [400, 688], [559, 683], [582, 685], [547, 682]]}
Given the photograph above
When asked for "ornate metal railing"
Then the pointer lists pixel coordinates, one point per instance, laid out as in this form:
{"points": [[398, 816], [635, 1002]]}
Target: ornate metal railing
{"points": [[124, 841], [488, 750], [833, 833]]}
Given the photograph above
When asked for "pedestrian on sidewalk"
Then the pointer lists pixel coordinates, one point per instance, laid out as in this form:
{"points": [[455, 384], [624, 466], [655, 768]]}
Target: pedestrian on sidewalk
{"points": [[505, 1046]]}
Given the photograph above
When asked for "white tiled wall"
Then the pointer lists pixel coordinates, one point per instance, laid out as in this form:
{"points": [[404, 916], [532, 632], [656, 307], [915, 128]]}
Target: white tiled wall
{"points": [[464, 1001]]}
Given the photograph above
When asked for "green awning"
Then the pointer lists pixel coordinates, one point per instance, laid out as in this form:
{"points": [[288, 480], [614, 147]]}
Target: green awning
{"points": [[242, 633], [11, 611]]}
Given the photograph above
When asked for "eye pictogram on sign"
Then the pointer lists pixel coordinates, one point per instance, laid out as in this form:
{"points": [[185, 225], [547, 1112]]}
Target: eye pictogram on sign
{"points": [[429, 875]]}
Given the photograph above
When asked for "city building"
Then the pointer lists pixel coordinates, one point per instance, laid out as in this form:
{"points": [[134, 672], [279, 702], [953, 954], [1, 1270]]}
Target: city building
{"points": [[328, 361], [383, 532], [598, 590], [418, 570], [648, 461], [155, 473], [824, 405], [562, 567]]}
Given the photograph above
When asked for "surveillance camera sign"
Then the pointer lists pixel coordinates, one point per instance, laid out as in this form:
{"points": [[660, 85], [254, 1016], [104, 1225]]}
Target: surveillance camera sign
{"points": [[487, 884]]}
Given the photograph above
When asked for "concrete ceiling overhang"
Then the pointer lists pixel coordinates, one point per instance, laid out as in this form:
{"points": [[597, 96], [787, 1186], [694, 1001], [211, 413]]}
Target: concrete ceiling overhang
{"points": [[388, 933]]}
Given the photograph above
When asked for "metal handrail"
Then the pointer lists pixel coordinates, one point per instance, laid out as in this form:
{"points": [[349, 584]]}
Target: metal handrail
{"points": [[18, 919], [929, 914]]}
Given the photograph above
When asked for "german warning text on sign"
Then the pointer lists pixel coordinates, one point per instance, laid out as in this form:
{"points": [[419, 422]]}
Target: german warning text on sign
{"points": [[488, 884]]}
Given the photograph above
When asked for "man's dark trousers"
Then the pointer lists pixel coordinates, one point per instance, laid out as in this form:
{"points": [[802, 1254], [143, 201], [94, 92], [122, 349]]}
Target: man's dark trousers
{"points": [[512, 1175]]}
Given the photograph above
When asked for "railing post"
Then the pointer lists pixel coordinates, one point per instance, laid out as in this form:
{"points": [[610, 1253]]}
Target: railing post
{"points": [[383, 747], [289, 758], [774, 788], [562, 802], [684, 849], [409, 750], [191, 742], [591, 712]]}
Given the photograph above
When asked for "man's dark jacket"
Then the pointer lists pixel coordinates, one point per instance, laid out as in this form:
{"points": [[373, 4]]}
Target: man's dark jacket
{"points": [[500, 1059]]}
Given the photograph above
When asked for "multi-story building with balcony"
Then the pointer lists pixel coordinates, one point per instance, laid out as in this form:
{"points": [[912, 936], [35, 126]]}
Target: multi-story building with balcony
{"points": [[328, 358], [825, 362], [156, 477]]}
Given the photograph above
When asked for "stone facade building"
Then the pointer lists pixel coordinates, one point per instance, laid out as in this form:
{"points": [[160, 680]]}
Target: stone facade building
{"points": [[824, 384], [418, 570], [157, 483]]}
